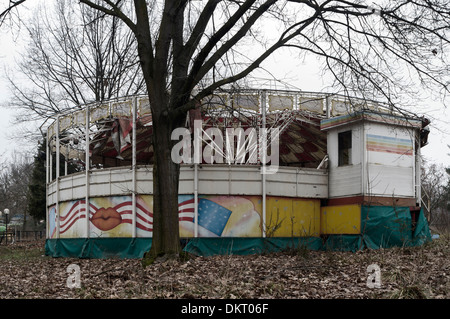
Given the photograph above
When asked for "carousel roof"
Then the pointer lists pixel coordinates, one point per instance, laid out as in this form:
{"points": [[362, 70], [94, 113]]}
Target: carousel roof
{"points": [[301, 142], [302, 118]]}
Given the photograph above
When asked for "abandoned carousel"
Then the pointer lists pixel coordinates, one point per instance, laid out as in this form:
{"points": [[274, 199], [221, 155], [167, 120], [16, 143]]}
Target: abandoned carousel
{"points": [[277, 170]]}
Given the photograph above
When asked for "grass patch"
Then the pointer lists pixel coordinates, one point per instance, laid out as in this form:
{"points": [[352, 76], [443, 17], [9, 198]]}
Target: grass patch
{"points": [[18, 251], [409, 292]]}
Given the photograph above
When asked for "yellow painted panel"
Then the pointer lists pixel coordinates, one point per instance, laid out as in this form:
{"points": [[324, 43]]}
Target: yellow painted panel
{"points": [[342, 219], [292, 217]]}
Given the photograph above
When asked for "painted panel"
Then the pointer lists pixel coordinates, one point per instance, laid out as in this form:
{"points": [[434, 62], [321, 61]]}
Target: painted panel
{"points": [[292, 217], [72, 219], [344, 219], [390, 161], [313, 104], [280, 102], [218, 216], [144, 215], [51, 222], [110, 216], [388, 144], [221, 216]]}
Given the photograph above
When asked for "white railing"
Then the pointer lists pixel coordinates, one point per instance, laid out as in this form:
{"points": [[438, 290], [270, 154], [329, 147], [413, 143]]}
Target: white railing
{"points": [[326, 104], [211, 180]]}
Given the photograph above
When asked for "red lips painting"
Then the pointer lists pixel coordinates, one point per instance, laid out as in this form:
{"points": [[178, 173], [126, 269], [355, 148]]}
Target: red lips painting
{"points": [[106, 218], [105, 215]]}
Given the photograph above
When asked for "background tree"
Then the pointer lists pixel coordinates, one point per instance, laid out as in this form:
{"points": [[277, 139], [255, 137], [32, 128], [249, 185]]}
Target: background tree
{"points": [[75, 56], [442, 218], [189, 49], [434, 182], [14, 178], [36, 204], [36, 200]]}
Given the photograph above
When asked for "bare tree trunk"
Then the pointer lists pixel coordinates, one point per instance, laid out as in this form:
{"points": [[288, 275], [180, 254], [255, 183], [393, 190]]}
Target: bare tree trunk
{"points": [[166, 239]]}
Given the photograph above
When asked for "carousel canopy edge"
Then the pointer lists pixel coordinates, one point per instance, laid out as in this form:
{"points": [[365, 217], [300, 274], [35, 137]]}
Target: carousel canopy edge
{"points": [[274, 101]]}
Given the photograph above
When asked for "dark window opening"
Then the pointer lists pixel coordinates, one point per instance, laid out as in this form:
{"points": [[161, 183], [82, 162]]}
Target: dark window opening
{"points": [[345, 148]]}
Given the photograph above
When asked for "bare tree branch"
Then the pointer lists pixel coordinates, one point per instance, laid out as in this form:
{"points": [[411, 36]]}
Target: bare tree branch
{"points": [[75, 56], [9, 8]]}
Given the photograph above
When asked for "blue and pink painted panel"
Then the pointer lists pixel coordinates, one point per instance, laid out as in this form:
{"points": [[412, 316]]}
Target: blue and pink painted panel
{"points": [[218, 216], [388, 144]]}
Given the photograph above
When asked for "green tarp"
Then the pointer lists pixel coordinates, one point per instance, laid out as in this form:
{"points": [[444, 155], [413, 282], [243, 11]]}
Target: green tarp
{"points": [[247, 246], [136, 247], [98, 247], [384, 227], [381, 227], [342, 243]]}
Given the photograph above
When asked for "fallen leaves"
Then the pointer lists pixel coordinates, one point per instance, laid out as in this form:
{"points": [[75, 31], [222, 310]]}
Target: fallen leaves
{"points": [[421, 272]]}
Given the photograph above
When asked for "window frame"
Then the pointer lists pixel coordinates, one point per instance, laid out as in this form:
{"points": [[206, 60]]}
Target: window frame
{"points": [[345, 148]]}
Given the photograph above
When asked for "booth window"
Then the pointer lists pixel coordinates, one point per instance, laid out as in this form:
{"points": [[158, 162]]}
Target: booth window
{"points": [[345, 148]]}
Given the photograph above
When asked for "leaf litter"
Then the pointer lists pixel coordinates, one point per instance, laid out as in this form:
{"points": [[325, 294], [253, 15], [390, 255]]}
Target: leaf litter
{"points": [[409, 272]]}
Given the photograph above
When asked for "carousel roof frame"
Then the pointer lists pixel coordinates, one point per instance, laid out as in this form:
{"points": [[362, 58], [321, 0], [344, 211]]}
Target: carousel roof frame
{"points": [[75, 131], [316, 103]]}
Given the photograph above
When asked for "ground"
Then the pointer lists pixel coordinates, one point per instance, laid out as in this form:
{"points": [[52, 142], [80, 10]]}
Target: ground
{"points": [[418, 272]]}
